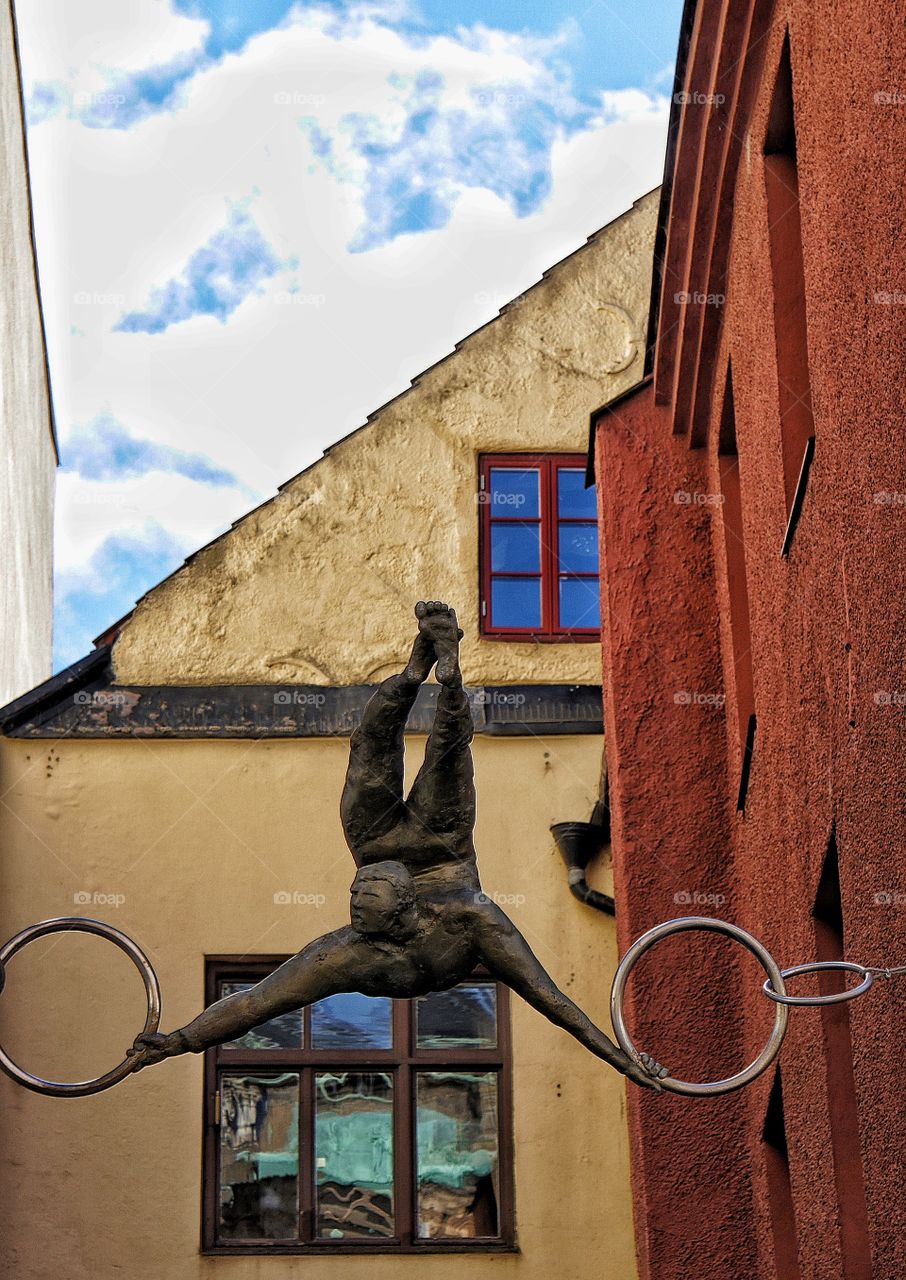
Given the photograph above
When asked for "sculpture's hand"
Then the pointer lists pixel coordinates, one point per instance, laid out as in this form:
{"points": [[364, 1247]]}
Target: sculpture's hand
{"points": [[152, 1047], [648, 1073]]}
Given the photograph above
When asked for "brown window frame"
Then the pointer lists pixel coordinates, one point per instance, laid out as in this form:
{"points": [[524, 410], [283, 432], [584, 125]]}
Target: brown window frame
{"points": [[403, 1060], [550, 631]]}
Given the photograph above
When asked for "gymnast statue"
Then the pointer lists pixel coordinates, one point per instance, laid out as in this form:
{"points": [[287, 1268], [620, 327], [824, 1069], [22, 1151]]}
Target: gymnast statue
{"points": [[419, 921]]}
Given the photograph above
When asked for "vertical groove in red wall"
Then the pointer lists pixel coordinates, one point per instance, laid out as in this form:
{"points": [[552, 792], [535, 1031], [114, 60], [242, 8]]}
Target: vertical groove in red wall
{"points": [[780, 1193], [846, 1145], [781, 176], [737, 583]]}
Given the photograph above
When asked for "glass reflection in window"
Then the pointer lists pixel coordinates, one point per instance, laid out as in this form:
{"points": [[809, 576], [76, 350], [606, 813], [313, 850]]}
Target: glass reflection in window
{"points": [[465, 1017], [284, 1032], [457, 1154], [352, 1021], [354, 1154], [259, 1157]]}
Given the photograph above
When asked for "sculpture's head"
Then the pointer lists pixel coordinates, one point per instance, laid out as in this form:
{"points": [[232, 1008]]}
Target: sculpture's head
{"points": [[383, 900]]}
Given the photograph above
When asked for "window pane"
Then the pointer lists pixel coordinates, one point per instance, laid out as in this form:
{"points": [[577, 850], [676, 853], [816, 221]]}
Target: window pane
{"points": [[259, 1157], [516, 602], [514, 492], [284, 1032], [465, 1016], [351, 1021], [579, 548], [457, 1156], [580, 602], [353, 1155], [515, 548], [573, 499]]}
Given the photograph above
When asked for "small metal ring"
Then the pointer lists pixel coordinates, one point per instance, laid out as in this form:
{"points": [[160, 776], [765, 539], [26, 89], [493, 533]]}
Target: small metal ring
{"points": [[837, 998], [78, 924], [761, 953]]}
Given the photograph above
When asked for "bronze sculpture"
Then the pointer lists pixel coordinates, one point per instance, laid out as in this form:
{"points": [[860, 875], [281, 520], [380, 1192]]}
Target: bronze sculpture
{"points": [[419, 920]]}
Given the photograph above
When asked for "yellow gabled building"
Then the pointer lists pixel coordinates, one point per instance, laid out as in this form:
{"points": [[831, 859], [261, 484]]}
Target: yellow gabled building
{"points": [[182, 782]]}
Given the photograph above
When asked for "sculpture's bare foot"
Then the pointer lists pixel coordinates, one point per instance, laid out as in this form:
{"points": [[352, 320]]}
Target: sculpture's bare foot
{"points": [[423, 657], [437, 621]]}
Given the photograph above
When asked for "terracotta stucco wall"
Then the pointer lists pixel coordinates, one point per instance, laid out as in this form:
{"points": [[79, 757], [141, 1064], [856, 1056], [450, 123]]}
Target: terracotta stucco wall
{"points": [[315, 586], [827, 627]]}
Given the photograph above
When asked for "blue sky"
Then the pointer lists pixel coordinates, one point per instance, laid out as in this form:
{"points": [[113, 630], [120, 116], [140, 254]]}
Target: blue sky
{"points": [[257, 221]]}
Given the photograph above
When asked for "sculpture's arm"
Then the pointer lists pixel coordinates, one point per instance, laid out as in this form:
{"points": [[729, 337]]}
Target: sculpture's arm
{"points": [[323, 968], [507, 956]]}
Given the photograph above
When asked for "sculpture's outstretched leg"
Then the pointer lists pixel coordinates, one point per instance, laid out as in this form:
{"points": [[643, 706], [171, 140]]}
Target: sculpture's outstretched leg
{"points": [[372, 802], [442, 798]]}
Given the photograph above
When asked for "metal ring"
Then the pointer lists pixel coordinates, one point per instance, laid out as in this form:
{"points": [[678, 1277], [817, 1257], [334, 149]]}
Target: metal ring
{"points": [[761, 953], [78, 924], [837, 998]]}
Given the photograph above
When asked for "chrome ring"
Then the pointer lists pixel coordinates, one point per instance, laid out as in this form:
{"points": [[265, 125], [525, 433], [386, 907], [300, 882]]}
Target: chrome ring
{"points": [[837, 998], [761, 953], [78, 924]]}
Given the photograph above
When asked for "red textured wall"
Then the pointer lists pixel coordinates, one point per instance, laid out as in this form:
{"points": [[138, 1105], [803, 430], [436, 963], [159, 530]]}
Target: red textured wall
{"points": [[827, 637]]}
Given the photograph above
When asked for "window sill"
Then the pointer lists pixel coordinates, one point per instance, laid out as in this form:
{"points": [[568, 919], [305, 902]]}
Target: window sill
{"points": [[539, 637], [322, 1250]]}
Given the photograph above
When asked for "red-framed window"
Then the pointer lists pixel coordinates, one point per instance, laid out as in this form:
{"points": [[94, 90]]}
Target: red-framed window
{"points": [[538, 548], [360, 1124]]}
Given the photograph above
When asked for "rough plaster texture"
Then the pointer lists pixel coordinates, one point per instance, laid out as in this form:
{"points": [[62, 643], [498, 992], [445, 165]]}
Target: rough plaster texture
{"points": [[390, 514], [196, 838], [27, 454], [827, 654]]}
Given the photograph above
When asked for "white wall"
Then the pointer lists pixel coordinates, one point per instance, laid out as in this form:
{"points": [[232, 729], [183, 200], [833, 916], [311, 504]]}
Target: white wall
{"points": [[27, 452]]}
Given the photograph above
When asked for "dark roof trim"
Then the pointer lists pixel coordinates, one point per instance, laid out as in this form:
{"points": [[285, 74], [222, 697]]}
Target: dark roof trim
{"points": [[596, 416], [58, 692], [86, 704]]}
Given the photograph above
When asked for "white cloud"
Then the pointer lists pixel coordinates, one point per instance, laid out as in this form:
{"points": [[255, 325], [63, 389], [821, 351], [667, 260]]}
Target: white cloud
{"points": [[82, 49], [90, 511]]}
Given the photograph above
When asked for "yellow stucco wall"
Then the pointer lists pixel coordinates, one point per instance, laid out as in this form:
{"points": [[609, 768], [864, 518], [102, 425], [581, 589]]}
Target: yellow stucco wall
{"points": [[196, 837], [317, 585]]}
